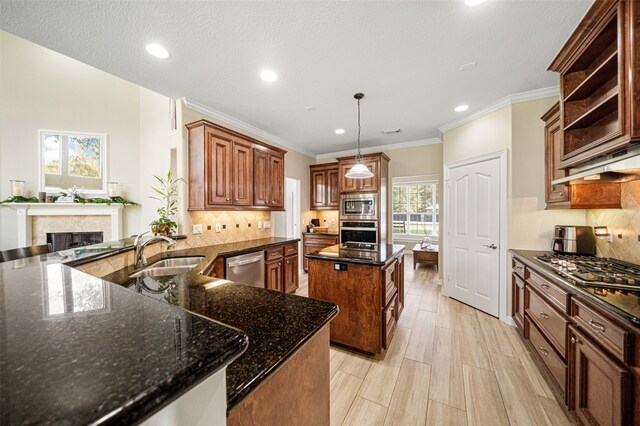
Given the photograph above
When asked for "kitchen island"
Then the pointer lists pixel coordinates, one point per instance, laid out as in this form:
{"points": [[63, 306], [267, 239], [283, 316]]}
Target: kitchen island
{"points": [[367, 282], [76, 349]]}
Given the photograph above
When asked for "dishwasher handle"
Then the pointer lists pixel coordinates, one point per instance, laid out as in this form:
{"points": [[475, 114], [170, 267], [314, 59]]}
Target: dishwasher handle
{"points": [[245, 261]]}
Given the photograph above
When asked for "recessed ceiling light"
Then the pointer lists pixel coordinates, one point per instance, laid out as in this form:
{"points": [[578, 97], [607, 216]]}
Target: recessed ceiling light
{"points": [[461, 108], [339, 131], [157, 50], [473, 2], [268, 75]]}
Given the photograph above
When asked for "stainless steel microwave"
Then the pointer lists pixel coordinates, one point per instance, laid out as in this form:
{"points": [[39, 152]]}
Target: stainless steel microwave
{"points": [[359, 206]]}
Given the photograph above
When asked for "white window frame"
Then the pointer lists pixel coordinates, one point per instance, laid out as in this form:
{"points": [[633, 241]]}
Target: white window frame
{"points": [[415, 180], [103, 161]]}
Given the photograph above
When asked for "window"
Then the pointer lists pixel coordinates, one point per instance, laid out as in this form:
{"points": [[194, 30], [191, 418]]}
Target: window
{"points": [[71, 159], [415, 207]]}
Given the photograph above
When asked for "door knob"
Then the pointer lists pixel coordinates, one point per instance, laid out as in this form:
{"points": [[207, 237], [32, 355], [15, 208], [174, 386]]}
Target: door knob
{"points": [[492, 246]]}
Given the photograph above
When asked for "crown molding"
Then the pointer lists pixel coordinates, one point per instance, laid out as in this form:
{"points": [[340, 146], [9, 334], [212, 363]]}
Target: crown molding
{"points": [[379, 148], [245, 127], [515, 98]]}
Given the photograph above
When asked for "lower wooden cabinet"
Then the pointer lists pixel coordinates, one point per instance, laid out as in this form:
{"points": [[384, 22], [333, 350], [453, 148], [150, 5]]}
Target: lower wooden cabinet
{"points": [[291, 273], [281, 268], [553, 363], [313, 242], [602, 389], [273, 273], [517, 300]]}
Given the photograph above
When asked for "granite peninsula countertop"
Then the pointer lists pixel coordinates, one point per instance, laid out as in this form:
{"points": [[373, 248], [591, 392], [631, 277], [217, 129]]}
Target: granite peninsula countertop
{"points": [[625, 304], [370, 254], [78, 349]]}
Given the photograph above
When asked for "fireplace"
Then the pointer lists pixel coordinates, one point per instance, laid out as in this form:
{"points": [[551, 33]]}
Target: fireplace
{"points": [[66, 240]]}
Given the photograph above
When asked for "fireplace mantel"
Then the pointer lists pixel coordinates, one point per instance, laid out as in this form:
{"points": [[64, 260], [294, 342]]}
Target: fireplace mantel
{"points": [[25, 211]]}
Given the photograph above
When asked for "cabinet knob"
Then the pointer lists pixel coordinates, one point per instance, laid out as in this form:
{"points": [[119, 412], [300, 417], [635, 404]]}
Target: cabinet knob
{"points": [[279, 263], [597, 326], [575, 340], [236, 199], [544, 352], [543, 315], [545, 286], [228, 199]]}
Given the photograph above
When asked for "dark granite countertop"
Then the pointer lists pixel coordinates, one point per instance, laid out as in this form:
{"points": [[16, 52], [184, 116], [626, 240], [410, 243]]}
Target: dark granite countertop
{"points": [[75, 349], [277, 323], [371, 254], [625, 304]]}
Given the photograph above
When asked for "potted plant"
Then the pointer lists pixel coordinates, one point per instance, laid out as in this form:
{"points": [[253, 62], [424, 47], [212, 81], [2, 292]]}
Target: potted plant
{"points": [[168, 196]]}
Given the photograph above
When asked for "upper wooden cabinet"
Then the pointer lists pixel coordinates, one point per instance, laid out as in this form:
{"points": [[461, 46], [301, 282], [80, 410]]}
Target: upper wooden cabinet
{"points": [[556, 196], [231, 171], [599, 87], [268, 178], [377, 163], [325, 187]]}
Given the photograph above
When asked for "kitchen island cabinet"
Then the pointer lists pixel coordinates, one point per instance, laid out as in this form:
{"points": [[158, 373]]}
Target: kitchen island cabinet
{"points": [[366, 285]]}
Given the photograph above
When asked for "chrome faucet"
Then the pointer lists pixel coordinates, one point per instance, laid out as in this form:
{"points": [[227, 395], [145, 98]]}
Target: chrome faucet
{"points": [[139, 247]]}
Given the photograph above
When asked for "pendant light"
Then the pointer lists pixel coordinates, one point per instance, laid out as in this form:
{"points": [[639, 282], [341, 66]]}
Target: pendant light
{"points": [[359, 170]]}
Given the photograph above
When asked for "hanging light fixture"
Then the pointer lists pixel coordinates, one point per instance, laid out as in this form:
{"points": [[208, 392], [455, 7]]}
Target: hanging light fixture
{"points": [[359, 170]]}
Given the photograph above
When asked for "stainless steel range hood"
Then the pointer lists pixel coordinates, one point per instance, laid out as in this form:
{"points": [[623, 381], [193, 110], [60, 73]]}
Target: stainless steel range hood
{"points": [[623, 166]]}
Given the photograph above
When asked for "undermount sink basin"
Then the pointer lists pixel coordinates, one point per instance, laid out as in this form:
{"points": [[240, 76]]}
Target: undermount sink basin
{"points": [[177, 261]]}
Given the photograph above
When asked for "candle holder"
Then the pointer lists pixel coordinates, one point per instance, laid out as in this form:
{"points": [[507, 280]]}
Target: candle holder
{"points": [[18, 188], [112, 189]]}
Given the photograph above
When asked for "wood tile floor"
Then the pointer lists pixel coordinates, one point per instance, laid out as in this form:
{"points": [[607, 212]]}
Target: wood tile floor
{"points": [[448, 364]]}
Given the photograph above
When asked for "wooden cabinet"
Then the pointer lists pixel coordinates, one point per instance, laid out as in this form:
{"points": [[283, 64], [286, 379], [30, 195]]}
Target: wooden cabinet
{"points": [[599, 87], [399, 280], [588, 354], [325, 191], [556, 196], [230, 171], [517, 301], [314, 242], [378, 164], [602, 389], [268, 178], [281, 268]]}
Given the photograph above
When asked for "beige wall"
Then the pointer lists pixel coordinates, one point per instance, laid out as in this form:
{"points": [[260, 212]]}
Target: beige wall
{"points": [[41, 89], [530, 225], [518, 129]]}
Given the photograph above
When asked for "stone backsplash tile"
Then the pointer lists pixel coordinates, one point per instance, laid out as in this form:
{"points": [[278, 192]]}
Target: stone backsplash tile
{"points": [[240, 226], [624, 222]]}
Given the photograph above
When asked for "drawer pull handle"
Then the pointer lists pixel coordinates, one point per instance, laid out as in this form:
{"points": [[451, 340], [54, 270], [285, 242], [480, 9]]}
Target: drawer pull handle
{"points": [[543, 315], [597, 326], [544, 352], [575, 340], [545, 286]]}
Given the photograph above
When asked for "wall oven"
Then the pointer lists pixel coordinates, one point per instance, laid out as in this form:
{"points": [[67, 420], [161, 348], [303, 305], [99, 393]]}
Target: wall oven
{"points": [[359, 206], [358, 232]]}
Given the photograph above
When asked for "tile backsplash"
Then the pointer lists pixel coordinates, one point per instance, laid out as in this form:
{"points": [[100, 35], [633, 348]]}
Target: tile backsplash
{"points": [[329, 218], [240, 225], [624, 222]]}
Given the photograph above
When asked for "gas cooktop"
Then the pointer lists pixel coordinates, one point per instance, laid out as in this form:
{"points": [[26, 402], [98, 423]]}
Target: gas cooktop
{"points": [[595, 271]]}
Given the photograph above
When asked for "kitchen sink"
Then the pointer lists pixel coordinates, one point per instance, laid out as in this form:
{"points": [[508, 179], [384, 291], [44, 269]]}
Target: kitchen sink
{"points": [[177, 262]]}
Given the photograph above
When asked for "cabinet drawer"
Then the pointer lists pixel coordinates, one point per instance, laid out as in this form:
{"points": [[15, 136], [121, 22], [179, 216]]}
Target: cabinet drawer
{"points": [[290, 249], [555, 365], [389, 286], [614, 338], [518, 267], [551, 323], [389, 322], [272, 254], [553, 292], [323, 240]]}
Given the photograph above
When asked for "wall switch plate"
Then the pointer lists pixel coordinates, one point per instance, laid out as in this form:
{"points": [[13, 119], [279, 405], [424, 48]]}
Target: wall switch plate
{"points": [[260, 227], [218, 227], [197, 229], [267, 224]]}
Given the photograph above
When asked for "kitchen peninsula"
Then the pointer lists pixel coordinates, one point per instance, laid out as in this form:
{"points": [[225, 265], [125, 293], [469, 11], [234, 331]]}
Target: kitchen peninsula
{"points": [[367, 282], [115, 356]]}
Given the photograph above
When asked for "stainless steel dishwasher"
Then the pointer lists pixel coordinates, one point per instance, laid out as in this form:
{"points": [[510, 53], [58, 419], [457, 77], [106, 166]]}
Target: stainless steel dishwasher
{"points": [[247, 269]]}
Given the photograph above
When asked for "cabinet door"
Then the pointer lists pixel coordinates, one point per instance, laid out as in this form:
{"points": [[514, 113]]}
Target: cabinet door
{"points": [[291, 273], [219, 163], [359, 185], [602, 389], [517, 301], [556, 196], [333, 188], [318, 189], [261, 187], [276, 172], [242, 175], [273, 275]]}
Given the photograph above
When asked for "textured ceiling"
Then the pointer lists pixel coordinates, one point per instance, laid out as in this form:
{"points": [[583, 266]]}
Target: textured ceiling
{"points": [[405, 56]]}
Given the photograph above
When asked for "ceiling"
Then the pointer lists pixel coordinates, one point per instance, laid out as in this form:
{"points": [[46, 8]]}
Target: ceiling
{"points": [[405, 56]]}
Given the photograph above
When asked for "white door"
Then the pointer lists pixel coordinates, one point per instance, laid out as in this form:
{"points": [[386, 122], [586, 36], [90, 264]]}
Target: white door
{"points": [[473, 235]]}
